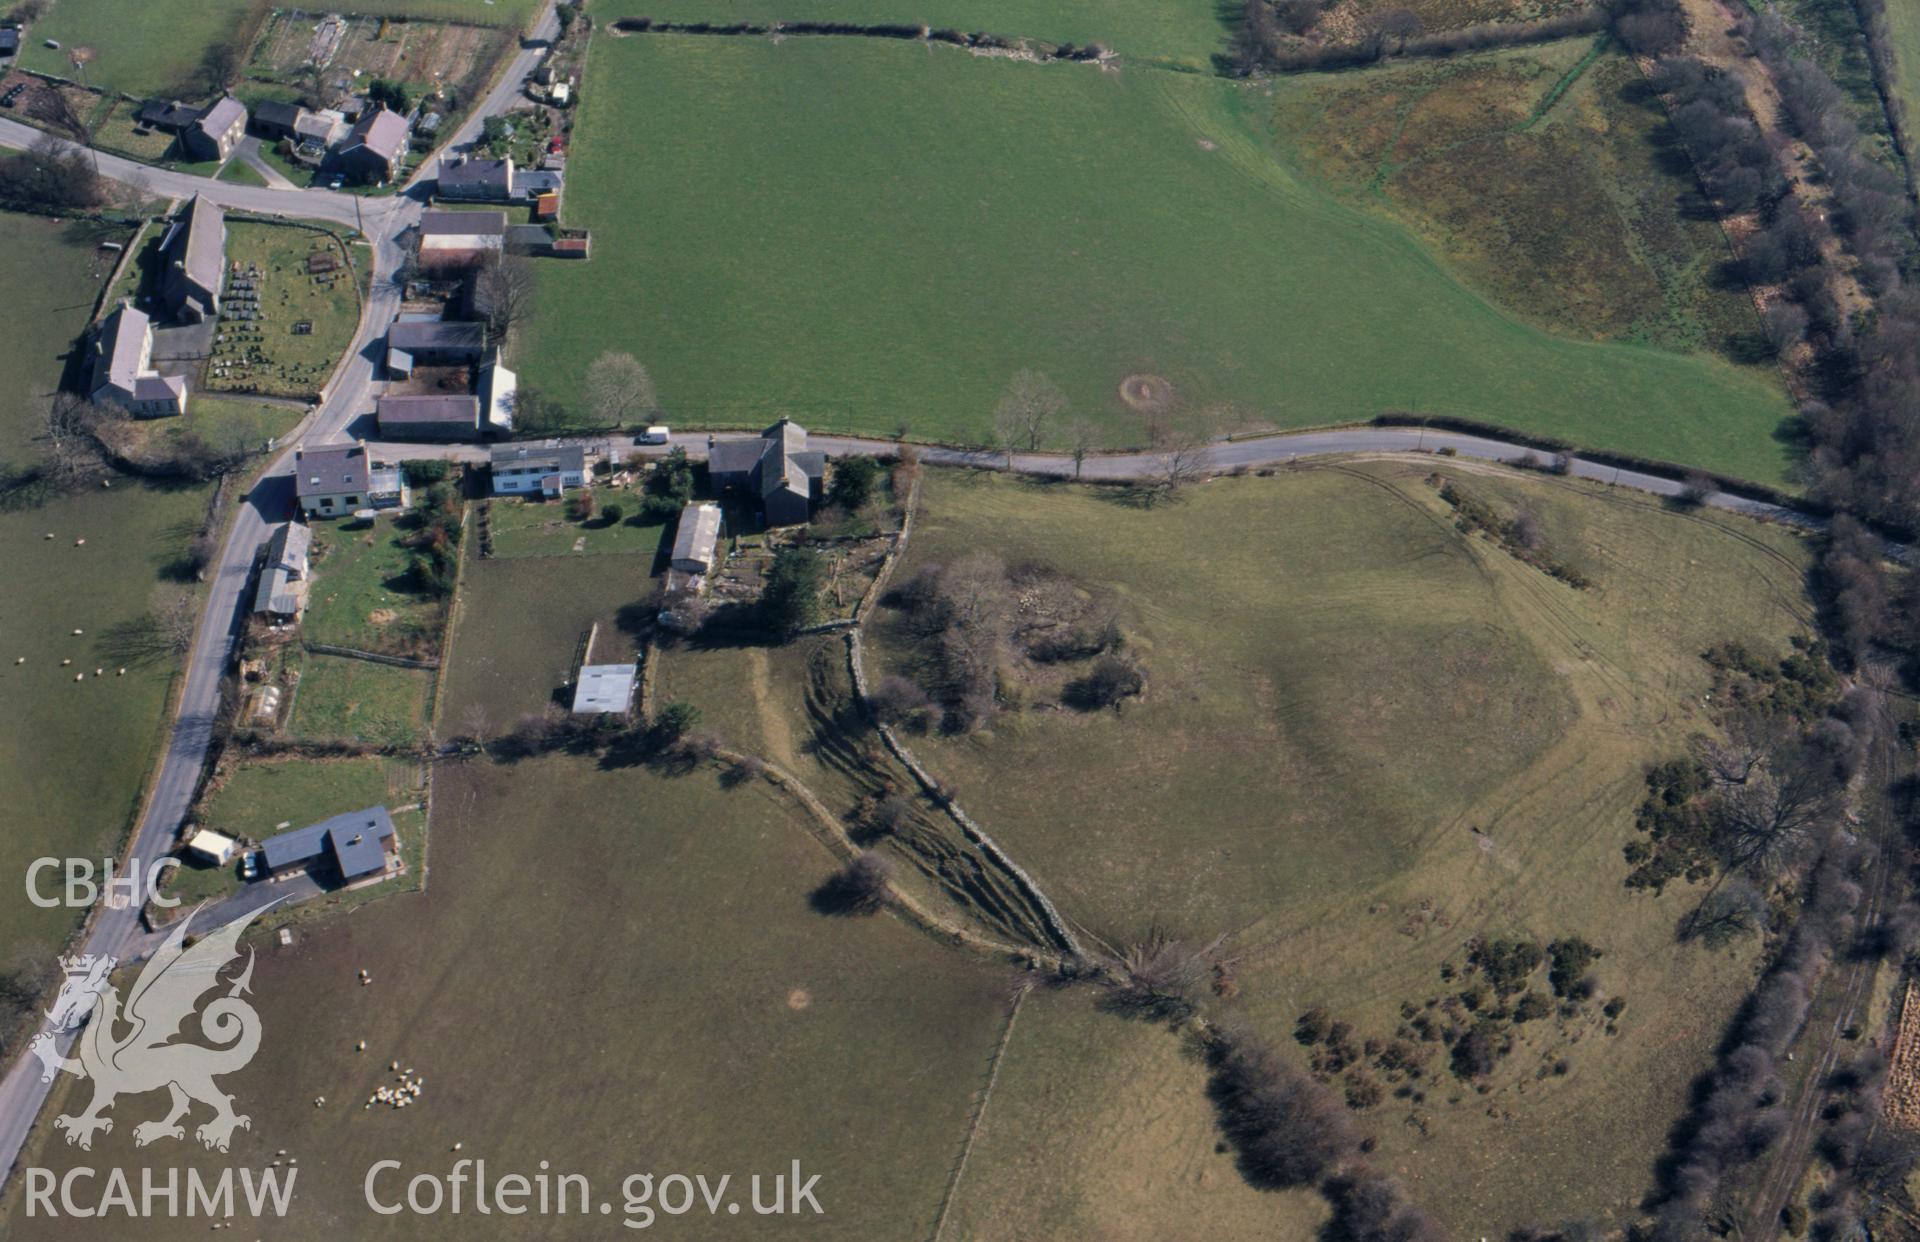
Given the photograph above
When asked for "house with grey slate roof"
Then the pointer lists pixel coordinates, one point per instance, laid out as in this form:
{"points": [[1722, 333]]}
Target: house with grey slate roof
{"points": [[776, 473]]}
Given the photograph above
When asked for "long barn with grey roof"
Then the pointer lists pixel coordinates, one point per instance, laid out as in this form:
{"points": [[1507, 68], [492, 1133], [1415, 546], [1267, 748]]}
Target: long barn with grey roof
{"points": [[282, 593]]}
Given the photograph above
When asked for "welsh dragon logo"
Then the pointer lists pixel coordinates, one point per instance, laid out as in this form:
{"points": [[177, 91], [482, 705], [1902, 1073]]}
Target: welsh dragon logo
{"points": [[133, 1050]]}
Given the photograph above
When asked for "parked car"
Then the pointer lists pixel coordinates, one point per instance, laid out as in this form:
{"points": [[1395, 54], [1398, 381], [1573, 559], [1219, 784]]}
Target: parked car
{"points": [[652, 435], [250, 865], [336, 183]]}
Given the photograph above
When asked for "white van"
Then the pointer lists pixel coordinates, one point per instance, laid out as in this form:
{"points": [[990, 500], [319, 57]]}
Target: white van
{"points": [[654, 435]]}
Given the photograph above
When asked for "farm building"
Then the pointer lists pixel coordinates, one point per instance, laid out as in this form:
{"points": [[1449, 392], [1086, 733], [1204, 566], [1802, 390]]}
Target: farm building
{"points": [[476, 180], [498, 388], [546, 469], [120, 368], [429, 417], [342, 478], [215, 849], [374, 148], [356, 844], [169, 116], [217, 131], [696, 539], [320, 129], [194, 258], [438, 342], [776, 472], [282, 593], [274, 119], [9, 42], [604, 688], [456, 240], [531, 183]]}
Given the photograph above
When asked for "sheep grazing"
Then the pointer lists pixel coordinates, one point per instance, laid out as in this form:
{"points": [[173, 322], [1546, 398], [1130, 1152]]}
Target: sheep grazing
{"points": [[121, 673], [20, 660], [458, 1146], [361, 1046], [393, 1065], [49, 534], [79, 543], [79, 676], [65, 663], [78, 633]]}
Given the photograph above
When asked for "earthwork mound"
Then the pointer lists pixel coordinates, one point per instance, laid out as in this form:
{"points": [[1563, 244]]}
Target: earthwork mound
{"points": [[1146, 394]]}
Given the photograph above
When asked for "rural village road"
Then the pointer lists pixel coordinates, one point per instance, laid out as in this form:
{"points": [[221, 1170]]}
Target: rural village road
{"points": [[116, 930]]}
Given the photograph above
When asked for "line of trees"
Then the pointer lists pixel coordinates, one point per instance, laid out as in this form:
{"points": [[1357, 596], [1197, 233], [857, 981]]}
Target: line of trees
{"points": [[1741, 1113]]}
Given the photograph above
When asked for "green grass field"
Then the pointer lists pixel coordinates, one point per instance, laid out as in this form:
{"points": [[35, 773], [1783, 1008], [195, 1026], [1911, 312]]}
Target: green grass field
{"points": [[362, 595], [258, 797], [519, 627], [142, 47], [1091, 225], [1183, 33], [617, 973], [1544, 176], [73, 756], [1366, 739], [362, 701], [1903, 23]]}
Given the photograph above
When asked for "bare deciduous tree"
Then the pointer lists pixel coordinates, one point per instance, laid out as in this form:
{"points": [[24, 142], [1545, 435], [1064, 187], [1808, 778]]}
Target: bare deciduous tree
{"points": [[507, 290], [1179, 459], [1020, 417], [1082, 438], [618, 386], [73, 451]]}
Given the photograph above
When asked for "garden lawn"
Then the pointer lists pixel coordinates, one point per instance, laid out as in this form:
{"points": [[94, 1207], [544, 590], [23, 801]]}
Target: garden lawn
{"points": [[359, 700], [142, 47], [945, 220], [548, 527], [257, 797], [615, 972], [74, 756], [363, 596]]}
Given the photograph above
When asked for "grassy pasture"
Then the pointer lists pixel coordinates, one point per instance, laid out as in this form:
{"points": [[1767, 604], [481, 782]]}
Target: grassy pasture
{"points": [[1182, 33], [1100, 1128], [142, 47], [1367, 739], [1903, 23], [519, 627], [615, 972], [1350, 20], [1092, 225], [73, 756], [1546, 177]]}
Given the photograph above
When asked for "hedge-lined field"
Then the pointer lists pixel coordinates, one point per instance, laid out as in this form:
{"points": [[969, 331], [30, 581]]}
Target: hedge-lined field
{"points": [[1187, 33], [864, 234]]}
